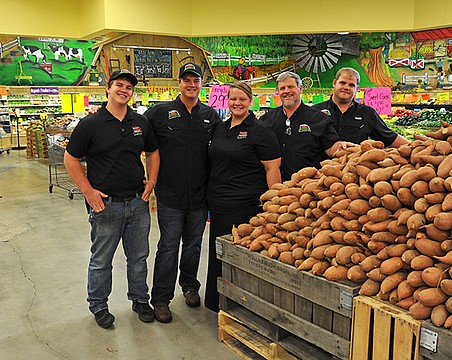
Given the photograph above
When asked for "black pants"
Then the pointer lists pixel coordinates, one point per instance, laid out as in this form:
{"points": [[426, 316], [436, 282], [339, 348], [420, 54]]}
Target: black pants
{"points": [[221, 224]]}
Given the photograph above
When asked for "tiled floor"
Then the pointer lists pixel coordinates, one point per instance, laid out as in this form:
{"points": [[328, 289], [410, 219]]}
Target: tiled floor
{"points": [[44, 251]]}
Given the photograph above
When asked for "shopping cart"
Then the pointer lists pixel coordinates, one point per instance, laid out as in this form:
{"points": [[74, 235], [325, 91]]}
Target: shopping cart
{"points": [[2, 135], [58, 176]]}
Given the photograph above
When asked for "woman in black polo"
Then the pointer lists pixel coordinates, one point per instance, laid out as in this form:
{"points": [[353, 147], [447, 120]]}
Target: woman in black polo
{"points": [[244, 158]]}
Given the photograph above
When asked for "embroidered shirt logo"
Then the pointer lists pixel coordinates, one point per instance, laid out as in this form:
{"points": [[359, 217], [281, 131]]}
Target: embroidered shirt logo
{"points": [[242, 135], [173, 114], [137, 131], [304, 128], [326, 111]]}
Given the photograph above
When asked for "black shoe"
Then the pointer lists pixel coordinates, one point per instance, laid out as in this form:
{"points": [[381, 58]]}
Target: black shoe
{"points": [[104, 319], [145, 312], [192, 298], [163, 313]]}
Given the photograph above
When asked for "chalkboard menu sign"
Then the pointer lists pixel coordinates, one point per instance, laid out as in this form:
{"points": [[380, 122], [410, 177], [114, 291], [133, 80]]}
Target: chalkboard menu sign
{"points": [[152, 63]]}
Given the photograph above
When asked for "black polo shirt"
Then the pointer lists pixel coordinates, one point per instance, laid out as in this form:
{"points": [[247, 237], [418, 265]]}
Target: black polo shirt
{"points": [[113, 150], [311, 133], [237, 176], [182, 139], [360, 122]]}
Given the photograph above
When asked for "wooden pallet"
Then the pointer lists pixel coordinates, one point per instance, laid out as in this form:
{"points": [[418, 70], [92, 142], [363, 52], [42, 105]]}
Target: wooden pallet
{"points": [[382, 331], [248, 343]]}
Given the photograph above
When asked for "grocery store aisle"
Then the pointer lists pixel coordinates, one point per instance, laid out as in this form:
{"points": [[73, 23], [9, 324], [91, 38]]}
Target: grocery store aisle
{"points": [[44, 251]]}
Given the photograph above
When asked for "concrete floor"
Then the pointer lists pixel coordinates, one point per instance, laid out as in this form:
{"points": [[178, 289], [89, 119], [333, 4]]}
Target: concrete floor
{"points": [[44, 252]]}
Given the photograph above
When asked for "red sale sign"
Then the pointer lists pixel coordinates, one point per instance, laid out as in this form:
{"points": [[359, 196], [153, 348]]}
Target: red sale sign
{"points": [[218, 98]]}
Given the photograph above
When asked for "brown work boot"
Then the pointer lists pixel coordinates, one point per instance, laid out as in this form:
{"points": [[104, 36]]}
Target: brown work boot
{"points": [[162, 313], [192, 298]]}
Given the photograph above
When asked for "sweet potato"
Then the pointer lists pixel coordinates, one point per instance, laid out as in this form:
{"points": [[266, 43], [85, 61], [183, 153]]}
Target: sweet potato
{"points": [[409, 255], [419, 311], [356, 258], [343, 255], [446, 259], [356, 274], [286, 257], [437, 185], [426, 172], [382, 188], [269, 194], [336, 273], [376, 275], [375, 246], [284, 247], [421, 262], [375, 201], [416, 221], [432, 297], [397, 229], [391, 202], [443, 220], [307, 264], [397, 250], [286, 217], [421, 205], [352, 225], [369, 288], [439, 315], [359, 206], [406, 302], [318, 252], [432, 276], [443, 147], [436, 234], [404, 290], [420, 188], [414, 279], [392, 281], [374, 155], [379, 214], [370, 263], [391, 265], [408, 178], [406, 197], [382, 174], [348, 178], [376, 226], [448, 183], [445, 167], [431, 212], [403, 216], [446, 286], [429, 247], [385, 236], [320, 267]]}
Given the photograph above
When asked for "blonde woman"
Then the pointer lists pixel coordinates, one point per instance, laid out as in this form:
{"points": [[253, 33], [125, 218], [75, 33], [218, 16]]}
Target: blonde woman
{"points": [[244, 160]]}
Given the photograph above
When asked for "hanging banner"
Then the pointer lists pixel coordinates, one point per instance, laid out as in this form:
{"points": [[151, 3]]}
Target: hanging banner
{"points": [[379, 99]]}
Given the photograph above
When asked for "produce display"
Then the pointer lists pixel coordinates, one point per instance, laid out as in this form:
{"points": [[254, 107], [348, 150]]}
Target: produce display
{"points": [[375, 216]]}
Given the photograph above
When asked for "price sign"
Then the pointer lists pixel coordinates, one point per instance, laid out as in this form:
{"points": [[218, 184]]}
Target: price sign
{"points": [[379, 99], [443, 96], [218, 98]]}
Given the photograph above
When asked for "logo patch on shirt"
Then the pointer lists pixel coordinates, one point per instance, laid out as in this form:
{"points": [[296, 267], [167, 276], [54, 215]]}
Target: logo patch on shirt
{"points": [[242, 135], [304, 128], [173, 114], [326, 111], [137, 131], [358, 118]]}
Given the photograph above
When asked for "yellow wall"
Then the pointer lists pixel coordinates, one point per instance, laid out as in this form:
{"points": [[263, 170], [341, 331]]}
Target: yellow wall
{"points": [[85, 19]]}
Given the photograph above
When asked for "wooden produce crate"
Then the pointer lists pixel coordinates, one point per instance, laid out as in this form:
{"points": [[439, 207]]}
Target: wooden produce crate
{"points": [[246, 342], [436, 343], [382, 331], [307, 315]]}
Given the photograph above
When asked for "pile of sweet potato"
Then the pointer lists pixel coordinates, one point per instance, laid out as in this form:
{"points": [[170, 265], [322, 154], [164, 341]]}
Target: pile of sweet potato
{"points": [[380, 217]]}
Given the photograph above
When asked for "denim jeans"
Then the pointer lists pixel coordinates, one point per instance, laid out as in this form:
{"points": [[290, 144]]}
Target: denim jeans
{"points": [[129, 221], [175, 224]]}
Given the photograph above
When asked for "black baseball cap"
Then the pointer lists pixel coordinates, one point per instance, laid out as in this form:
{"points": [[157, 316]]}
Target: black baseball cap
{"points": [[123, 73], [190, 68]]}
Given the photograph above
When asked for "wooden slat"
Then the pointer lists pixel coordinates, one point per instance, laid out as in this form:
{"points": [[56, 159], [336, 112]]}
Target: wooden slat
{"points": [[381, 335], [359, 349], [342, 325], [314, 288], [314, 334], [322, 317]]}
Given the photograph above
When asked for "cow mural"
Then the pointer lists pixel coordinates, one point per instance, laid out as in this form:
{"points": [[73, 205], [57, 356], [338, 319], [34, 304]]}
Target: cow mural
{"points": [[67, 52], [30, 51]]}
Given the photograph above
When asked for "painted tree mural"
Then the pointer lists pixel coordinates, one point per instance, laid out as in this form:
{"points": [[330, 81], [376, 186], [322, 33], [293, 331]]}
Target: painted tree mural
{"points": [[374, 47]]}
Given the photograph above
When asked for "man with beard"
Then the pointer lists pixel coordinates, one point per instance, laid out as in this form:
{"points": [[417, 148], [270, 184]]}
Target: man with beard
{"points": [[306, 136]]}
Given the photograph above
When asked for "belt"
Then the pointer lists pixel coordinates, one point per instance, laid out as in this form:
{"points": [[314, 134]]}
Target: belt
{"points": [[124, 199]]}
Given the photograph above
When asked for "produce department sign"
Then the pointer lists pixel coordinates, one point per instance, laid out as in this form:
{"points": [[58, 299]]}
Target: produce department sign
{"points": [[150, 63]]}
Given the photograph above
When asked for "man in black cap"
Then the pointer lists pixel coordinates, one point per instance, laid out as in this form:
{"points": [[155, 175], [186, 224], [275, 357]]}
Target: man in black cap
{"points": [[183, 128], [117, 192]]}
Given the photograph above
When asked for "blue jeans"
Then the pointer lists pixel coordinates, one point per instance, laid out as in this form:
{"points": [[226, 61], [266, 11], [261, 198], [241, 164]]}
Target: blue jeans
{"points": [[129, 221], [175, 224]]}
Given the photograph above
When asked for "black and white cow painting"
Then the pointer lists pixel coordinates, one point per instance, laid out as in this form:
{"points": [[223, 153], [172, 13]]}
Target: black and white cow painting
{"points": [[29, 51], [67, 52]]}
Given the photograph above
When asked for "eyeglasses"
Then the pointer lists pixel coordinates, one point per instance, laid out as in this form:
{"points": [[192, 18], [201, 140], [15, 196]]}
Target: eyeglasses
{"points": [[288, 129]]}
